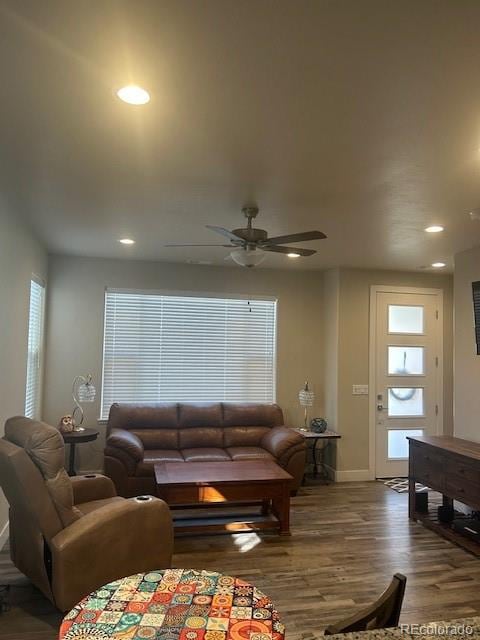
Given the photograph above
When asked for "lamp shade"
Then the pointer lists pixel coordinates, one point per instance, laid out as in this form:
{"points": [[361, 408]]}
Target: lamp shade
{"points": [[305, 396], [86, 392]]}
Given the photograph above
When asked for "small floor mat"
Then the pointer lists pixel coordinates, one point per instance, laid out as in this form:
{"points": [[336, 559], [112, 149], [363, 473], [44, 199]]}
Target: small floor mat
{"points": [[400, 485]]}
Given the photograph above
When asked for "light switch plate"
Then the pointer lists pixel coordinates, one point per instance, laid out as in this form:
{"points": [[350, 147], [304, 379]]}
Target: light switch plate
{"points": [[360, 390]]}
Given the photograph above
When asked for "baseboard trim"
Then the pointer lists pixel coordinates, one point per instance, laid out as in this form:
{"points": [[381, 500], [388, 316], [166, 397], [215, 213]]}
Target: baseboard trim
{"points": [[352, 475], [3, 535]]}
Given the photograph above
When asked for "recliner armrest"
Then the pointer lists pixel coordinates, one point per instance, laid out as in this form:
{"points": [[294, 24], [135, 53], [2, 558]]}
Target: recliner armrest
{"points": [[91, 487], [118, 539], [127, 442], [281, 441]]}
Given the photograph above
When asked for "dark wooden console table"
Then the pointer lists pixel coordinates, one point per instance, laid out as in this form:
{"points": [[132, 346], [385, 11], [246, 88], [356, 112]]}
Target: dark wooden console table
{"points": [[450, 466]]}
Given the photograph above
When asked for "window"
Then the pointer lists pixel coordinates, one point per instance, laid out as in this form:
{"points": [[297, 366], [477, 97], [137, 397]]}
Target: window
{"points": [[35, 348], [187, 348]]}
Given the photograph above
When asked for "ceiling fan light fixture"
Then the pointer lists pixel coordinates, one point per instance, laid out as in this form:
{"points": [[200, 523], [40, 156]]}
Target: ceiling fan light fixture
{"points": [[293, 255], [248, 257]]}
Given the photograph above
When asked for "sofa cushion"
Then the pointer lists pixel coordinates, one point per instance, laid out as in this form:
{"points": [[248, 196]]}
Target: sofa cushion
{"points": [[146, 468], [250, 415], [206, 454], [249, 453], [200, 415], [154, 415], [200, 437], [158, 438], [243, 436]]}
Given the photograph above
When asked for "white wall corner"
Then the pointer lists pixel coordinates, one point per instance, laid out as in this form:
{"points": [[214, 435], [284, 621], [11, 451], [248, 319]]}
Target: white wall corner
{"points": [[3, 535]]}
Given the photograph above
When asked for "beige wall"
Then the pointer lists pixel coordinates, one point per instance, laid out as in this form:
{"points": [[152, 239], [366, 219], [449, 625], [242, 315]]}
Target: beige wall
{"points": [[20, 257], [75, 325], [331, 298], [466, 361], [353, 358]]}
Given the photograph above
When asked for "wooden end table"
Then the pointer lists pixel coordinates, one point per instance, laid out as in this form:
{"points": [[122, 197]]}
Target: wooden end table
{"points": [[178, 604], [314, 437], [77, 437], [220, 483]]}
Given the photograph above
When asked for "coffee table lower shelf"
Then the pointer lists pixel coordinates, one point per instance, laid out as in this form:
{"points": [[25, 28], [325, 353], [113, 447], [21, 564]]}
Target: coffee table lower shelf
{"points": [[213, 519]]}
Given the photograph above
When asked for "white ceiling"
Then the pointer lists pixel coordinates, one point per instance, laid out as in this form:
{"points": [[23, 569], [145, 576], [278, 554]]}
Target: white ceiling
{"points": [[360, 118]]}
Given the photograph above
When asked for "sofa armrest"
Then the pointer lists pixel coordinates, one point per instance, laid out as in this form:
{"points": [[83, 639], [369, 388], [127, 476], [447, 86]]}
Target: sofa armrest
{"points": [[116, 540], [281, 442], [92, 487], [127, 441]]}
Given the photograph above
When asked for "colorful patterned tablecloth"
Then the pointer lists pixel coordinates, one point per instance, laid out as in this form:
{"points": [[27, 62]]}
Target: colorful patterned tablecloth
{"points": [[174, 604]]}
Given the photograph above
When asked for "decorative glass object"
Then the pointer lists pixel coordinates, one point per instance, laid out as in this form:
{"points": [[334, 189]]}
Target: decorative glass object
{"points": [[318, 425], [306, 398]]}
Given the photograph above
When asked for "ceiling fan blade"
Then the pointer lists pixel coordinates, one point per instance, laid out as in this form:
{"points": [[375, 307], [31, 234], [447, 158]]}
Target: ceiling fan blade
{"points": [[296, 237], [229, 246], [275, 248], [225, 232]]}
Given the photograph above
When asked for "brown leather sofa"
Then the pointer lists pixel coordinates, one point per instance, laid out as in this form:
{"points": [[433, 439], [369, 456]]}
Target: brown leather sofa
{"points": [[72, 535], [139, 435]]}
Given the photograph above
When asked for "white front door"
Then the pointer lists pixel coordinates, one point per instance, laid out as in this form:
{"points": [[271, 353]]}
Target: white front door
{"points": [[408, 374]]}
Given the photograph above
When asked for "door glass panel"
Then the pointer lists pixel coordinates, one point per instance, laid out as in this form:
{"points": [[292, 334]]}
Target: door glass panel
{"points": [[405, 319], [405, 402], [398, 443], [405, 361]]}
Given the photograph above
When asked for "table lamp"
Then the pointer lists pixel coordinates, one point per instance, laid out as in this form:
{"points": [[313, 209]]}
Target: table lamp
{"points": [[306, 398], [82, 391]]}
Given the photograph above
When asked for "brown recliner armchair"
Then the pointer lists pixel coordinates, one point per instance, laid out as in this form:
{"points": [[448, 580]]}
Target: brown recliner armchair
{"points": [[70, 536], [139, 435]]}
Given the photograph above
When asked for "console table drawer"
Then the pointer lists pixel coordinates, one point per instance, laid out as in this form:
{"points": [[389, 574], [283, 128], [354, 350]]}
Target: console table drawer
{"points": [[459, 489], [430, 477], [429, 467], [463, 471]]}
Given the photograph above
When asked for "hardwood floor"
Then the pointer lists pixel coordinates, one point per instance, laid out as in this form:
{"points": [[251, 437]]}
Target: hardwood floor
{"points": [[347, 541]]}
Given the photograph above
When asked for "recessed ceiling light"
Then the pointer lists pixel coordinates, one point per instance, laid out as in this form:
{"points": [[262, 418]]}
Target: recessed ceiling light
{"points": [[293, 255], [438, 265], [127, 241], [133, 94], [434, 228]]}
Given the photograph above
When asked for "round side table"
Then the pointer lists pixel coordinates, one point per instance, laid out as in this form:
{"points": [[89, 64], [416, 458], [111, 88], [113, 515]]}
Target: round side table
{"points": [[178, 604], [77, 437]]}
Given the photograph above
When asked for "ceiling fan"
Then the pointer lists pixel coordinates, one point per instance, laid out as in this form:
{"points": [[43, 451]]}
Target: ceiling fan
{"points": [[250, 244]]}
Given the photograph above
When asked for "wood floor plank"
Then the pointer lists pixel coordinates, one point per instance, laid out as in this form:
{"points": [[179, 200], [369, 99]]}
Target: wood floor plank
{"points": [[347, 541]]}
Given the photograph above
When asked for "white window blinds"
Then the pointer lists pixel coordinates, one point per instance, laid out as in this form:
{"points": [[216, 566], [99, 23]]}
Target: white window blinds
{"points": [[35, 345], [184, 348]]}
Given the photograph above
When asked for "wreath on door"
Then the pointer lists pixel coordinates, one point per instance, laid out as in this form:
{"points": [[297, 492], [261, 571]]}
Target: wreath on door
{"points": [[402, 394]]}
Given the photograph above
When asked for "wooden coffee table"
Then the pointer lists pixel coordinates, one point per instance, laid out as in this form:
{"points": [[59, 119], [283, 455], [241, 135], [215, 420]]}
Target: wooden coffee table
{"points": [[195, 484]]}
